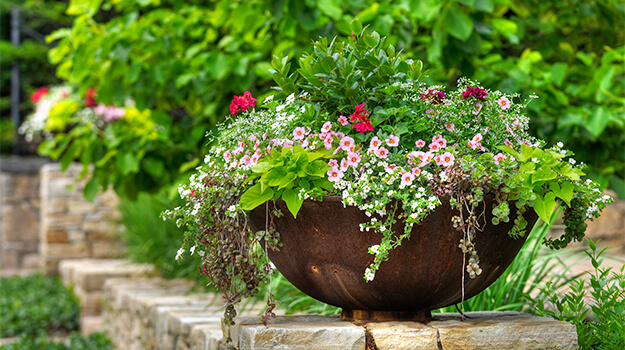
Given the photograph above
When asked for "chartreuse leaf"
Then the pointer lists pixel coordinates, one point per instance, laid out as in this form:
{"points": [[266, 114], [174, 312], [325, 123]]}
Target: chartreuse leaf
{"points": [[274, 176], [288, 181], [260, 167], [544, 206], [526, 153], [509, 150], [293, 201], [317, 168], [567, 192], [254, 197], [543, 174]]}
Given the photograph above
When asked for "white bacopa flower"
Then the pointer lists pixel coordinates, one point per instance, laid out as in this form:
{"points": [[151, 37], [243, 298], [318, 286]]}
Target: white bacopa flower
{"points": [[535, 160], [179, 253], [374, 249], [268, 99], [572, 161], [560, 144], [369, 275], [192, 250]]}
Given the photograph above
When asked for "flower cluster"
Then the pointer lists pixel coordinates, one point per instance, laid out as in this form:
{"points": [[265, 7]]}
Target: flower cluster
{"points": [[242, 103]]}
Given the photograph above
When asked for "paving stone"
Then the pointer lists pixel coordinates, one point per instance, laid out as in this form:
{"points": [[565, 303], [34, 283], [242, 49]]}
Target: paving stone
{"points": [[305, 332], [403, 335]]}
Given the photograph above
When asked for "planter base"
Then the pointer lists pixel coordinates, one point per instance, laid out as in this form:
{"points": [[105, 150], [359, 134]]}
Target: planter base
{"points": [[365, 316]]}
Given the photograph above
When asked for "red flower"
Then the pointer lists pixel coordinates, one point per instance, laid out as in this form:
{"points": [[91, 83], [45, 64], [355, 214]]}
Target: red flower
{"points": [[37, 95], [90, 100], [363, 126], [361, 113], [437, 96], [242, 103], [478, 93]]}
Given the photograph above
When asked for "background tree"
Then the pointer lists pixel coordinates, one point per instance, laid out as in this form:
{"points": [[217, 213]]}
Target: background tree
{"points": [[187, 59]]}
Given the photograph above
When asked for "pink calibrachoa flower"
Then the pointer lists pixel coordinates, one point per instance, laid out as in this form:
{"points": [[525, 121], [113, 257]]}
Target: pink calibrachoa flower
{"points": [[406, 179], [353, 159], [247, 160], [392, 141], [327, 142], [416, 171], [440, 140], [375, 143], [335, 175], [434, 147], [420, 143], [326, 127], [343, 120], [381, 152], [478, 108], [227, 156], [344, 164], [299, 133], [446, 159], [508, 143], [333, 163], [346, 143], [450, 127], [499, 157], [504, 102]]}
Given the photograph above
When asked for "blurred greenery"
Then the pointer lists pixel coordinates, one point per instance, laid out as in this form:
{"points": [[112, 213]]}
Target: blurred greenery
{"points": [[38, 18], [95, 341], [36, 305], [187, 59]]}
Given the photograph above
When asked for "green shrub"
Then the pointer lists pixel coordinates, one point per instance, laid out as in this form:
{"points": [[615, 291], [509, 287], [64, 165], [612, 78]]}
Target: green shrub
{"points": [[595, 307], [36, 305], [151, 240], [96, 341]]}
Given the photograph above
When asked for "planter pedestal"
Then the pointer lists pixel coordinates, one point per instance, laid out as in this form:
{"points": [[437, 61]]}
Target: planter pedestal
{"points": [[484, 330]]}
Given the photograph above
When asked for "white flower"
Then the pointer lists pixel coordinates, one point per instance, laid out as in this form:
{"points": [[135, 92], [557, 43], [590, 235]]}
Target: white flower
{"points": [[179, 253], [268, 99], [572, 161], [535, 160], [374, 249], [369, 275], [560, 144], [192, 250]]}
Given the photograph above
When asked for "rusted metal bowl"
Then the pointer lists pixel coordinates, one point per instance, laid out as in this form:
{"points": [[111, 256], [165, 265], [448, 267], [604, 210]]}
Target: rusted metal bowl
{"points": [[324, 254]]}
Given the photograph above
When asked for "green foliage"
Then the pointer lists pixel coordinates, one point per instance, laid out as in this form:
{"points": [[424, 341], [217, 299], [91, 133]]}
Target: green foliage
{"points": [[36, 305], [291, 173], [601, 322], [149, 239], [95, 341], [7, 135]]}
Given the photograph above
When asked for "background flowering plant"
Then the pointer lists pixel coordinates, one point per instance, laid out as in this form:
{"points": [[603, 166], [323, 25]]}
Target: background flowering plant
{"points": [[360, 122]]}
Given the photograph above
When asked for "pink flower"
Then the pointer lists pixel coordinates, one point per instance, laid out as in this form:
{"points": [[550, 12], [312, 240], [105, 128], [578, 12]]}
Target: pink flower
{"points": [[406, 179], [435, 95], [446, 159], [392, 141], [335, 175], [440, 140], [227, 156], [434, 147], [247, 160], [478, 108], [343, 120], [508, 143], [478, 137], [346, 143], [353, 159], [328, 142], [326, 127], [375, 143], [381, 152], [344, 164], [255, 157], [333, 163], [390, 168], [420, 143], [299, 133], [416, 171], [450, 127], [499, 157], [504, 102]]}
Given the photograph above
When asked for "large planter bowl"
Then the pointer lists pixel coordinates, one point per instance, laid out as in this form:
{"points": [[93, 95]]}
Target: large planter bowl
{"points": [[324, 254]]}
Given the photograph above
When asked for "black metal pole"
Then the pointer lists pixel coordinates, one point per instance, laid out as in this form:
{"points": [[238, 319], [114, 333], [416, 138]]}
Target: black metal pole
{"points": [[15, 69]]}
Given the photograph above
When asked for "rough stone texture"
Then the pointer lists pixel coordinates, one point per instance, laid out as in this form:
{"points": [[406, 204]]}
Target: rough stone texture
{"points": [[87, 278], [484, 330], [19, 209], [305, 332], [70, 226]]}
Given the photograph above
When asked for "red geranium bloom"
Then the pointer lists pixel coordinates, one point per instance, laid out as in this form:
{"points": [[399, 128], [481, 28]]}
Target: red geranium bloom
{"points": [[90, 100], [242, 103], [360, 113], [37, 95], [363, 126], [437, 96]]}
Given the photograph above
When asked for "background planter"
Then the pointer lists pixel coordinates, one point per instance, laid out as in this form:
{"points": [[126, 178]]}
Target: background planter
{"points": [[324, 254]]}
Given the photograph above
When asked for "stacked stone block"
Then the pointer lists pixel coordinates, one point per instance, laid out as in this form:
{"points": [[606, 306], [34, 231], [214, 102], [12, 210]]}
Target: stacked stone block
{"points": [[19, 211], [71, 227]]}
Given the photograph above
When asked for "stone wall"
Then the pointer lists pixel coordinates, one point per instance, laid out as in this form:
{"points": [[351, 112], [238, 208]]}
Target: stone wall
{"points": [[19, 211], [71, 227]]}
